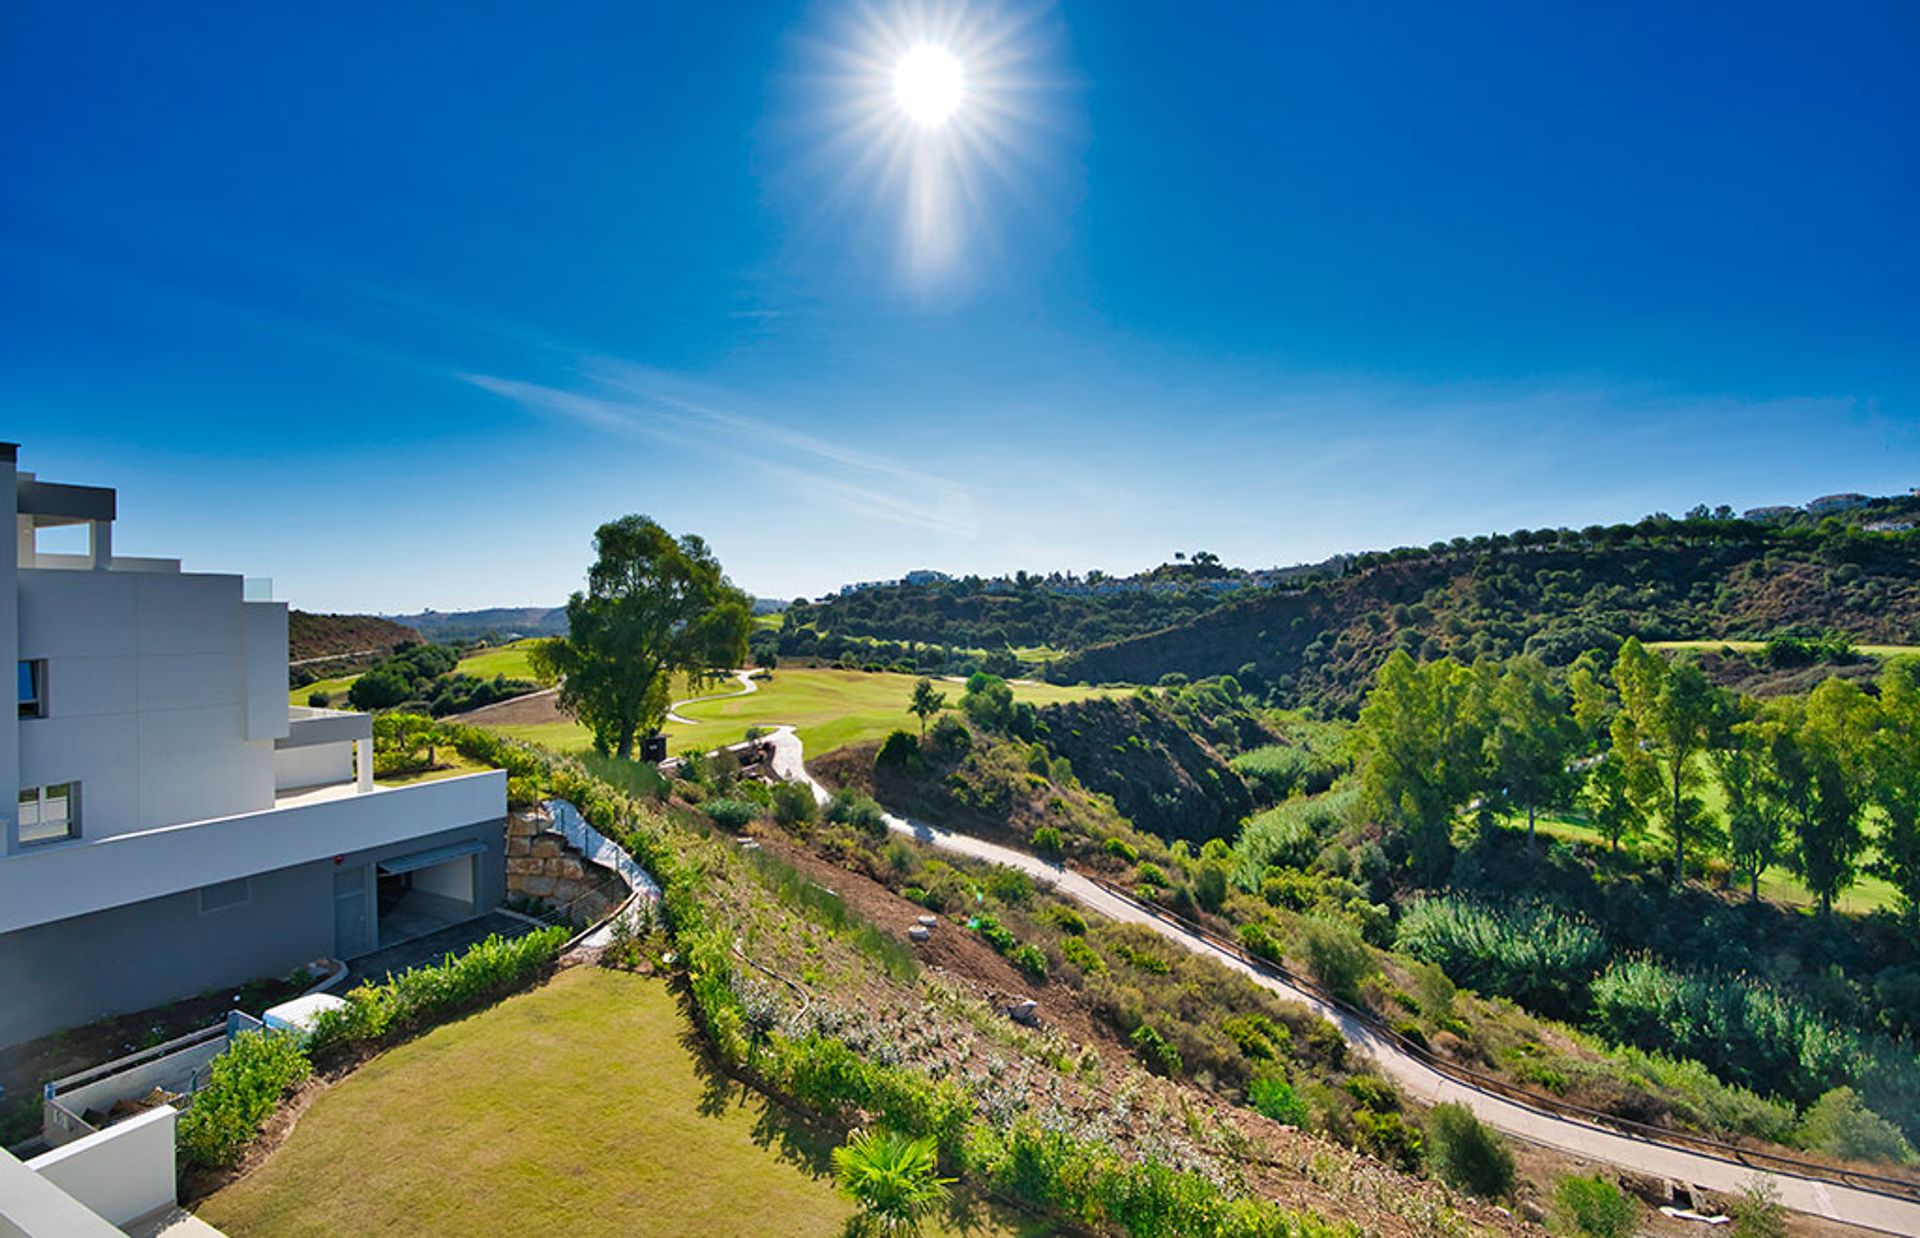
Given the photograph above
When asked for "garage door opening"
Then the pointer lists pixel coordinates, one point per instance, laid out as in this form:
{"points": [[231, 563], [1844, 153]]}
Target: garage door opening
{"points": [[428, 891]]}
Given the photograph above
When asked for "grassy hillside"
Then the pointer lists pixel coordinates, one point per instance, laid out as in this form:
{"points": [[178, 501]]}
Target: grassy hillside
{"points": [[1322, 644]]}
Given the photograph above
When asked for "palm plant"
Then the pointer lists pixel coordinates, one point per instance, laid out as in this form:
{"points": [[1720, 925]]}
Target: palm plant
{"points": [[894, 1178]]}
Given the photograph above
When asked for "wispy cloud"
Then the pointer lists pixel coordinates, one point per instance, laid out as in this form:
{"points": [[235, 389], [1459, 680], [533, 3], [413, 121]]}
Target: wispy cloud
{"points": [[637, 402]]}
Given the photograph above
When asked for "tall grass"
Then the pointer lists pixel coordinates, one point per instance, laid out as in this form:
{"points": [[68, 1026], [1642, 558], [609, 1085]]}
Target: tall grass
{"points": [[828, 909], [1539, 956], [1289, 835]]}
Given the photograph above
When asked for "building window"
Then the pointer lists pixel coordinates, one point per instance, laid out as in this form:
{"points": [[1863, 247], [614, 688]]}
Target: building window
{"points": [[33, 688], [49, 813], [225, 894]]}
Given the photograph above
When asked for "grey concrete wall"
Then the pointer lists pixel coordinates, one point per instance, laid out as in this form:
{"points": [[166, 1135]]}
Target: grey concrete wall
{"points": [[145, 954]]}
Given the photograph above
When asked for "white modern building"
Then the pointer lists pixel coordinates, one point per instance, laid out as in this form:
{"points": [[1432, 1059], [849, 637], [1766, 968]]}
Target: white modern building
{"points": [[179, 827]]}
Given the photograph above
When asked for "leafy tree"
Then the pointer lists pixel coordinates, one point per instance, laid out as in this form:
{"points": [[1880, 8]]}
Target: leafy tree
{"points": [[1841, 1125], [1618, 788], [1745, 770], [1828, 781], [1895, 758], [895, 1178], [1421, 738], [654, 606], [1532, 737], [927, 701], [1673, 710]]}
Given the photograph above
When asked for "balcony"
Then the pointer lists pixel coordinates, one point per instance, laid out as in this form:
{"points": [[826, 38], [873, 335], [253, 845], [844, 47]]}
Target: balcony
{"points": [[86, 876]]}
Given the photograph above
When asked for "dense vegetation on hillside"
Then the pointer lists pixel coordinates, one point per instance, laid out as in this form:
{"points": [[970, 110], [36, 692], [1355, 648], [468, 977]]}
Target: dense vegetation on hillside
{"points": [[325, 636], [421, 678], [1554, 594]]}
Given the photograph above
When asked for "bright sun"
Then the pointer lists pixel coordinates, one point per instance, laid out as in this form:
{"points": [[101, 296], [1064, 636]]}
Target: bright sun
{"points": [[928, 83]]}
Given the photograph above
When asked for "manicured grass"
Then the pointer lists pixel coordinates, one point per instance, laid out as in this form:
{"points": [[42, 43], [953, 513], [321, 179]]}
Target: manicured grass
{"points": [[579, 1108], [830, 709], [447, 764], [1754, 646], [335, 688], [509, 660]]}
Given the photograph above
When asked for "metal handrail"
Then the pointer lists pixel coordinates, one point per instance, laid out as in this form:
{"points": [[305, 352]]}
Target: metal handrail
{"points": [[1880, 1184]]}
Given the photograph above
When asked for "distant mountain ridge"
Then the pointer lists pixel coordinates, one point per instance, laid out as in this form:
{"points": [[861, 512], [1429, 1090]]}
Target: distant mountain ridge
{"points": [[495, 622]]}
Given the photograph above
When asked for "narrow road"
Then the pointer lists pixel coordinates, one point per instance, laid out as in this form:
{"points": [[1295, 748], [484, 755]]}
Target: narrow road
{"points": [[748, 686], [1833, 1201]]}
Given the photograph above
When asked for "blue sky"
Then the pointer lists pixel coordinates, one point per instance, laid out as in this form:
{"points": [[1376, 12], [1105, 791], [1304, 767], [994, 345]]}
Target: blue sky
{"points": [[396, 303]]}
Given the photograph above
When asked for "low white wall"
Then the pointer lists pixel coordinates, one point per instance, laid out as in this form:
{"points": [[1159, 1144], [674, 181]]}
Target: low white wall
{"points": [[122, 1173], [73, 879], [174, 1072], [32, 1207], [316, 765]]}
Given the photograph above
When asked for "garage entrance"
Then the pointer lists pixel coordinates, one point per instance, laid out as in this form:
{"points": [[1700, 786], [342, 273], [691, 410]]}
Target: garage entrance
{"points": [[425, 892]]}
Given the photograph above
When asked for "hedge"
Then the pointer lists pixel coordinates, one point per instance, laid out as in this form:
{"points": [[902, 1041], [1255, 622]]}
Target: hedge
{"points": [[244, 1085]]}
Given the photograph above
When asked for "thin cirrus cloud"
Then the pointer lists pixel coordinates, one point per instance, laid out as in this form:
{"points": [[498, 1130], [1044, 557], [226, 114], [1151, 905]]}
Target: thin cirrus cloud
{"points": [[636, 402]]}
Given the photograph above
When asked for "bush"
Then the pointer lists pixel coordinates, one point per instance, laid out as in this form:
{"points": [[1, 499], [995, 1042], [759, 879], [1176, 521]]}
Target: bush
{"points": [[1258, 940], [1067, 920], [950, 737], [1159, 1055], [1467, 1154], [1390, 1137], [997, 935], [731, 814], [1337, 957], [1275, 1098], [850, 807], [1031, 960], [1121, 848], [793, 804], [244, 1085], [1210, 885], [1759, 1213], [1841, 1125], [1009, 885], [1592, 1208], [405, 1001], [1048, 842], [1076, 951], [900, 750]]}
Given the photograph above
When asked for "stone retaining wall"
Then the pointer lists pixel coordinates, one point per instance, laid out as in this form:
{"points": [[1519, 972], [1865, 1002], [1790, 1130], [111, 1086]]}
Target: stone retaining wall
{"points": [[542, 866]]}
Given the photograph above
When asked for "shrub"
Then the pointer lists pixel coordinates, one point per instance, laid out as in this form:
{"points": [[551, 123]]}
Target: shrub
{"points": [[402, 1002], [1390, 1137], [731, 814], [850, 807], [1337, 957], [1841, 1125], [997, 935], [1121, 848], [1759, 1213], [1257, 1036], [1151, 875], [244, 1085], [900, 750], [1210, 885], [1258, 940], [1154, 1049], [793, 804], [1466, 1153], [1068, 921], [1031, 960], [951, 737], [1048, 842], [319, 700], [1275, 1098], [1592, 1208], [1009, 885], [1076, 951]]}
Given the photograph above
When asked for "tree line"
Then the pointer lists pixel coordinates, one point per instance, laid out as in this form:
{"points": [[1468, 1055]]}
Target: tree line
{"points": [[1827, 784]]}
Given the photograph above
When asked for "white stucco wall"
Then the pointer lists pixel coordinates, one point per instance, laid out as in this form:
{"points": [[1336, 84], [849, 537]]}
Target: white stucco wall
{"points": [[315, 765], [153, 680], [121, 1173]]}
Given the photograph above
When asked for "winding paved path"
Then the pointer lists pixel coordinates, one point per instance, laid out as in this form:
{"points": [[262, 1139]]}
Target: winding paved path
{"points": [[1851, 1205]]}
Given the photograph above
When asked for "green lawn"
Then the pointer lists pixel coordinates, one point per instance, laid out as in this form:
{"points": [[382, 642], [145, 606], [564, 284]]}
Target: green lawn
{"points": [[830, 708], [509, 660], [577, 1109], [1754, 646]]}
